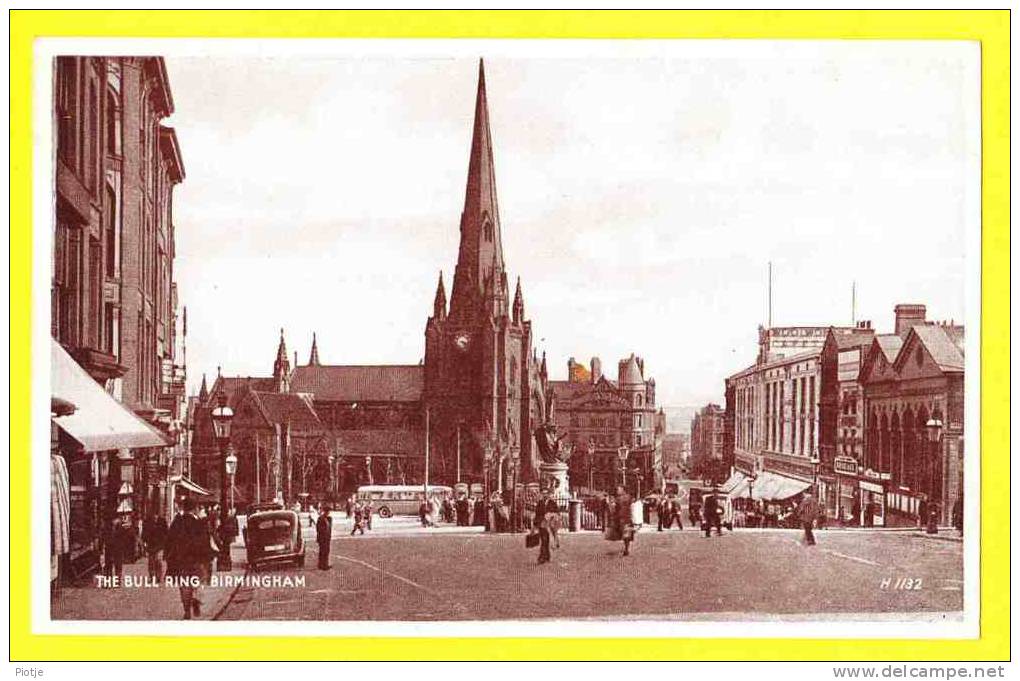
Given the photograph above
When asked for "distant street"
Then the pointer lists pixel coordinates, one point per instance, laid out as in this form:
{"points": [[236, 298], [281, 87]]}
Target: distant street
{"points": [[400, 572]]}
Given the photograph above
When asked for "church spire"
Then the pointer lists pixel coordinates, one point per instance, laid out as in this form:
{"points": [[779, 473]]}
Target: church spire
{"points": [[203, 392], [481, 252], [439, 305], [313, 356]]}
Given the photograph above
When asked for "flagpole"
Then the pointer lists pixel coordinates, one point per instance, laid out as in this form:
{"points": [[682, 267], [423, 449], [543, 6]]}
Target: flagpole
{"points": [[426, 489]]}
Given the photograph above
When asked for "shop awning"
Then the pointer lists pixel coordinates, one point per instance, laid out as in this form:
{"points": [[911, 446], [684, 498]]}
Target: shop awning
{"points": [[181, 481], [732, 483], [99, 421], [774, 487]]}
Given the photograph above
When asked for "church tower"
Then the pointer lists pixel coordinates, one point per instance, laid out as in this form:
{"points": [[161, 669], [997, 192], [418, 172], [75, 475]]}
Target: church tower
{"points": [[480, 378]]}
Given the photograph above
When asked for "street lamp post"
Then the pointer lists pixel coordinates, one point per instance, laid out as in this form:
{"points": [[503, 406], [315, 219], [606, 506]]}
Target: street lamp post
{"points": [[222, 415], [814, 467], [622, 453], [231, 462], [591, 466], [933, 429]]}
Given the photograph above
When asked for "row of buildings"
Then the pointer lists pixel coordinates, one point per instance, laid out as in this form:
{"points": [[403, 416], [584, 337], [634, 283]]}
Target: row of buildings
{"points": [[468, 412], [873, 422], [117, 349]]}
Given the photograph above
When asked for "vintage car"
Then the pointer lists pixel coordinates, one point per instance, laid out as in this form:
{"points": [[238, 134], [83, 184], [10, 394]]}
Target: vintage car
{"points": [[274, 537]]}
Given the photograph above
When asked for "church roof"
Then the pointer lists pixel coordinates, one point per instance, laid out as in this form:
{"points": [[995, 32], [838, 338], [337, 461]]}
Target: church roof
{"points": [[287, 408], [235, 387], [381, 441], [376, 383]]}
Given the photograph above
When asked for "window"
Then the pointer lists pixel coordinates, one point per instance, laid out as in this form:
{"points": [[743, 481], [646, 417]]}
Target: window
{"points": [[109, 230], [67, 102], [95, 295]]}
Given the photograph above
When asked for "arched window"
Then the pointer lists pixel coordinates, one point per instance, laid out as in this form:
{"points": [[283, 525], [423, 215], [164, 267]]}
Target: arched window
{"points": [[487, 229]]}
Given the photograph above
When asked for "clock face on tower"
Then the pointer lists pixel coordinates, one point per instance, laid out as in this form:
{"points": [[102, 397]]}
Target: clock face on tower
{"points": [[462, 340]]}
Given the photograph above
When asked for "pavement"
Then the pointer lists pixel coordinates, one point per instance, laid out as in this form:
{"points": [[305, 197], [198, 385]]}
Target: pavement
{"points": [[395, 574], [401, 571], [91, 600]]}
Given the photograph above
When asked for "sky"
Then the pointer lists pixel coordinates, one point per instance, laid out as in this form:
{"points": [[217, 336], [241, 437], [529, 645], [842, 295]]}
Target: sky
{"points": [[641, 199]]}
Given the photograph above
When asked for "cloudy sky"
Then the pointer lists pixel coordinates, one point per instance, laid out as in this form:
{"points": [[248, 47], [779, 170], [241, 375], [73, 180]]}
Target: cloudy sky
{"points": [[641, 198]]}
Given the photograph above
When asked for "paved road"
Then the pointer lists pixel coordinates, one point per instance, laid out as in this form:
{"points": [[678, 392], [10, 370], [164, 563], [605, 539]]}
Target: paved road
{"points": [[455, 576]]}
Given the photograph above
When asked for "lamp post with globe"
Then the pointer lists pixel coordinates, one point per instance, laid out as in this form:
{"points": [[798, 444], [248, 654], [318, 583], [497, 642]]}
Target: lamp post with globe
{"points": [[222, 416]]}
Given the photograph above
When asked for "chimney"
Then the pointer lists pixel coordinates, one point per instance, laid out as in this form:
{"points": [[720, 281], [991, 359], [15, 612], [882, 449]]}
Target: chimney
{"points": [[596, 370], [907, 317]]}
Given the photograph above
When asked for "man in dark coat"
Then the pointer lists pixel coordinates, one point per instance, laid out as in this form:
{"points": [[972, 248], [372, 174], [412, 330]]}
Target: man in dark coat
{"points": [[807, 514], [324, 535], [622, 518], [119, 548], [188, 548], [154, 537], [545, 505], [712, 516]]}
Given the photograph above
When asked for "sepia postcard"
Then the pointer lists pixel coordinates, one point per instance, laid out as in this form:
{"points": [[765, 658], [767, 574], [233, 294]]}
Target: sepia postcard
{"points": [[507, 338]]}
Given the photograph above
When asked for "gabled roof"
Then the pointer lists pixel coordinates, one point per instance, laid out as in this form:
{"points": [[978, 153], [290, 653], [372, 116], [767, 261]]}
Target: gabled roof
{"points": [[381, 383], [287, 409], [235, 387], [945, 347], [890, 344], [860, 338]]}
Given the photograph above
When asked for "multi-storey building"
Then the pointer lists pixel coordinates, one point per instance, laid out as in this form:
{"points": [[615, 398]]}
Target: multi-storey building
{"points": [[707, 440], [609, 421], [913, 406], [773, 413], [113, 296], [841, 415]]}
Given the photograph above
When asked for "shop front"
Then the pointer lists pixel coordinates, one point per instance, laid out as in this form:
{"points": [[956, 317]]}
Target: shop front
{"points": [[873, 506], [92, 438]]}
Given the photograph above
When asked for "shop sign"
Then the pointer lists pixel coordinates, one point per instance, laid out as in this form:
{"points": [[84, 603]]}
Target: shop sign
{"points": [[846, 465], [871, 487]]}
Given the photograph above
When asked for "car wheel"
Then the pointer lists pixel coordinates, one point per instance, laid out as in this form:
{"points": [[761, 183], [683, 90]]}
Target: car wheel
{"points": [[385, 512]]}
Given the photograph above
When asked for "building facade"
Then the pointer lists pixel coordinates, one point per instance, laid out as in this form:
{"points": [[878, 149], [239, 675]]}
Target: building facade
{"points": [[608, 422], [113, 293], [708, 428], [913, 389]]}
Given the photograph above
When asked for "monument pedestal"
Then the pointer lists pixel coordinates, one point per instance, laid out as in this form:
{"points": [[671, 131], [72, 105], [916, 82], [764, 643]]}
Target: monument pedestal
{"points": [[553, 476]]}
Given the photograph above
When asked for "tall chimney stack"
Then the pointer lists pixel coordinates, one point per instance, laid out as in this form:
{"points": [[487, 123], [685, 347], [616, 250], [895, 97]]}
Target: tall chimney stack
{"points": [[908, 316]]}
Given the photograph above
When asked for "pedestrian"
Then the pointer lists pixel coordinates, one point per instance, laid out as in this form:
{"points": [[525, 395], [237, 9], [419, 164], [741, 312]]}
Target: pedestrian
{"points": [[694, 511], [623, 519], [462, 509], [922, 511], [118, 548], [669, 511], [807, 513], [423, 512], [436, 509], [545, 507], [712, 516], [324, 535], [187, 551], [855, 511], [359, 519], [366, 513], [154, 537], [958, 514]]}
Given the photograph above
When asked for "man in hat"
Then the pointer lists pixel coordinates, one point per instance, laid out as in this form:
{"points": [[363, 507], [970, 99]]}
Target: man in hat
{"points": [[324, 535], [545, 505]]}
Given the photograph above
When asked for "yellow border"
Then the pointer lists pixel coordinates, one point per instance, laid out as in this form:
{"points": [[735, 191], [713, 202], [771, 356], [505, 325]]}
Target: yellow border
{"points": [[991, 28]]}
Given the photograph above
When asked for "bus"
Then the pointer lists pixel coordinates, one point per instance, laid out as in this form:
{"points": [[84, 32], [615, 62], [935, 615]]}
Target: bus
{"points": [[391, 500]]}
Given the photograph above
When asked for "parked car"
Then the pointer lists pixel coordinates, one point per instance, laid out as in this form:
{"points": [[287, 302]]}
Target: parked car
{"points": [[274, 537]]}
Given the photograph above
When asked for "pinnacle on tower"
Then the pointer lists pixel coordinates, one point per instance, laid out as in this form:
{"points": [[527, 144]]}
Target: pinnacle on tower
{"points": [[282, 364], [439, 305], [203, 392], [518, 303], [481, 252], [313, 356]]}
